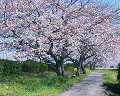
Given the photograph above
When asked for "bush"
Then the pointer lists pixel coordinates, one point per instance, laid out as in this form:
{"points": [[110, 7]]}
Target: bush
{"points": [[33, 66], [51, 67], [43, 67], [68, 66], [99, 66], [111, 66], [9, 67], [118, 76], [1, 69], [30, 66]]}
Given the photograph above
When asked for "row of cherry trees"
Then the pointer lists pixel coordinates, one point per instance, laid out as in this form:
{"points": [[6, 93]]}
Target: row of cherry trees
{"points": [[81, 31]]}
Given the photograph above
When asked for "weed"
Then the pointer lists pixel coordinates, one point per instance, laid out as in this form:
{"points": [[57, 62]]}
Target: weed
{"points": [[43, 84], [110, 84]]}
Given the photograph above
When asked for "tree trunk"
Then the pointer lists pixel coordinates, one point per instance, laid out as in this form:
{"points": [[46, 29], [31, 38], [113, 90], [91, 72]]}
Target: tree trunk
{"points": [[83, 69], [78, 71], [79, 68], [118, 76], [60, 69], [90, 66], [93, 66]]}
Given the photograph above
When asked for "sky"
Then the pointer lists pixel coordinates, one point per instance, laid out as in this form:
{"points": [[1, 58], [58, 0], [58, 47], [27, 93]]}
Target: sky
{"points": [[115, 2], [112, 2]]}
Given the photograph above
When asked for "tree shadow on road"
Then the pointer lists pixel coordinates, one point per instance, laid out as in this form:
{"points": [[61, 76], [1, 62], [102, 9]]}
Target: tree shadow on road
{"points": [[112, 89]]}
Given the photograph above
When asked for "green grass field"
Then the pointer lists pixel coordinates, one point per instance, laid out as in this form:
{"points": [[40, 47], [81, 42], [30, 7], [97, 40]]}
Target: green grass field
{"points": [[44, 84], [111, 86]]}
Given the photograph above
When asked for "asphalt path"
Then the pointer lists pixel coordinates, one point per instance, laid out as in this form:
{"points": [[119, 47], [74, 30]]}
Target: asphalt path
{"points": [[91, 85]]}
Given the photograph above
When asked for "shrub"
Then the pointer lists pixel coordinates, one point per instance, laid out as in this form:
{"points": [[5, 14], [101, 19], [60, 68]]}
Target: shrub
{"points": [[51, 67], [68, 66], [99, 66], [118, 76], [9, 67], [111, 66], [30, 66], [33, 66], [43, 67], [1, 69]]}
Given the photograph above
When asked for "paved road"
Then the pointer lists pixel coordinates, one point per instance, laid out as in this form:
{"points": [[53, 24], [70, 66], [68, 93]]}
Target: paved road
{"points": [[90, 86]]}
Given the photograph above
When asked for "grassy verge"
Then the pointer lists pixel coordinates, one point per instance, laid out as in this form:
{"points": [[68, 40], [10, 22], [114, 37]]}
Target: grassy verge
{"points": [[107, 68], [44, 84], [111, 86]]}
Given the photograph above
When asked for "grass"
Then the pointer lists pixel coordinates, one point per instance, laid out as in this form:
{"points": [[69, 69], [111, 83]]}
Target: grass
{"points": [[44, 84], [102, 68], [111, 86]]}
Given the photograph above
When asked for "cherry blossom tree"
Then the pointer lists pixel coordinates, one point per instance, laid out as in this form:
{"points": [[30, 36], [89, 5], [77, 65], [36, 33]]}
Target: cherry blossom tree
{"points": [[97, 26], [84, 51], [39, 29], [52, 29]]}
